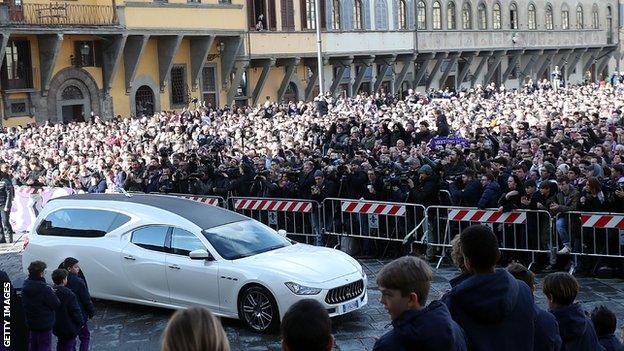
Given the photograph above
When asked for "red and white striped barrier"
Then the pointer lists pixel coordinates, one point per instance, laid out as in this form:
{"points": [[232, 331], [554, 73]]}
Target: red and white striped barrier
{"points": [[487, 216], [30, 190], [205, 200], [373, 208], [602, 221], [273, 205]]}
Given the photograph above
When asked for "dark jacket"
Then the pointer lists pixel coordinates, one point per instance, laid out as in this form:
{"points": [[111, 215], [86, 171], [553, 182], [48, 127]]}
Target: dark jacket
{"points": [[510, 203], [68, 314], [610, 343], [490, 196], [576, 329], [425, 193], [469, 196], [495, 310], [546, 331], [429, 329], [39, 302], [78, 287]]}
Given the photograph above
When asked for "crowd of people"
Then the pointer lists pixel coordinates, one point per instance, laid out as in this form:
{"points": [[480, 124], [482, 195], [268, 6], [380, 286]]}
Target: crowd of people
{"points": [[533, 148], [486, 308]]}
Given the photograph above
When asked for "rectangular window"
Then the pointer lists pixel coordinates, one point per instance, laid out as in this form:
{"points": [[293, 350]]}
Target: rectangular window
{"points": [[565, 20], [81, 223], [16, 67], [310, 7], [178, 86], [209, 85]]}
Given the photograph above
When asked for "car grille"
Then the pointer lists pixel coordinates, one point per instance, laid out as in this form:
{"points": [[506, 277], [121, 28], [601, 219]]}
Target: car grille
{"points": [[345, 292]]}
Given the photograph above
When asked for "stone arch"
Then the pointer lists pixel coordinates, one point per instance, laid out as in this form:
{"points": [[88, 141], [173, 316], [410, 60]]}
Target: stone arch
{"points": [[80, 79], [150, 83]]}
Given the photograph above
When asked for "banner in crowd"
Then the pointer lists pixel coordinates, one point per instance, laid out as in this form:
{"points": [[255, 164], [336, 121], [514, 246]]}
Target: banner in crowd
{"points": [[449, 140], [28, 203]]}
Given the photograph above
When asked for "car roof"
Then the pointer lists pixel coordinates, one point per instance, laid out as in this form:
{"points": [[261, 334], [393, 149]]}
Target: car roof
{"points": [[203, 215]]}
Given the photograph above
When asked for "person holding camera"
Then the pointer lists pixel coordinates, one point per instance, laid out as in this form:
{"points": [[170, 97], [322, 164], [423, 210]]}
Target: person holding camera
{"points": [[425, 190]]}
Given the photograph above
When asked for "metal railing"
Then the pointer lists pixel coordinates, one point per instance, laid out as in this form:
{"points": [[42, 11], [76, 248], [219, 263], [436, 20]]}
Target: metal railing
{"points": [[63, 14]]}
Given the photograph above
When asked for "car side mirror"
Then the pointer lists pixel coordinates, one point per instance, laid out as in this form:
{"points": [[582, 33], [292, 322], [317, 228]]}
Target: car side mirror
{"points": [[200, 255], [282, 232]]}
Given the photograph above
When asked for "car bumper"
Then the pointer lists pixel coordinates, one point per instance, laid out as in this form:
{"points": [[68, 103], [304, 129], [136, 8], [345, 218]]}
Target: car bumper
{"points": [[288, 299]]}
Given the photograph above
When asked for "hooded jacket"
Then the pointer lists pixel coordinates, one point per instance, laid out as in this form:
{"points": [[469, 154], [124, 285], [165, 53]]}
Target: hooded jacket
{"points": [[546, 331], [576, 329], [490, 196], [78, 286], [495, 310], [39, 302], [428, 329], [610, 343]]}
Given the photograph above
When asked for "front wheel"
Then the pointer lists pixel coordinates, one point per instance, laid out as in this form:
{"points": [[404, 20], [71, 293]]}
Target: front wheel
{"points": [[258, 309]]}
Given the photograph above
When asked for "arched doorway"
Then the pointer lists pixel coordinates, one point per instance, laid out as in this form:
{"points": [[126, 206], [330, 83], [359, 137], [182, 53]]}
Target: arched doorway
{"points": [[74, 104], [291, 93], [144, 101], [73, 96]]}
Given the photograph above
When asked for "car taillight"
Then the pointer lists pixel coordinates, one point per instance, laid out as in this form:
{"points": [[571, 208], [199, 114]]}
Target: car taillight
{"points": [[25, 243]]}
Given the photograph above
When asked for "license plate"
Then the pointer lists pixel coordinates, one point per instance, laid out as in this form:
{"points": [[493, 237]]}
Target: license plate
{"points": [[348, 307]]}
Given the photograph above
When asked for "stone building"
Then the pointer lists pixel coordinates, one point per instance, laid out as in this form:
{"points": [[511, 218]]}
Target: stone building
{"points": [[65, 60]]}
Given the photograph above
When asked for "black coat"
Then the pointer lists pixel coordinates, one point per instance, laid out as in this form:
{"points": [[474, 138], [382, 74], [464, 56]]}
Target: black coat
{"points": [[490, 196], [78, 287], [40, 302], [546, 331], [68, 315], [19, 338], [469, 196], [425, 193], [576, 329], [428, 329], [611, 343], [495, 310]]}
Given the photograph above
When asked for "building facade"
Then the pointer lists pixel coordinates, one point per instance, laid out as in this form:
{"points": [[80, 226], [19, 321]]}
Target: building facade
{"points": [[64, 61]]}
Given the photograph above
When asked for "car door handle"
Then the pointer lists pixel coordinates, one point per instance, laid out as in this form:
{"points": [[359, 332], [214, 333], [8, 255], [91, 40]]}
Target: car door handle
{"points": [[174, 266], [129, 257]]}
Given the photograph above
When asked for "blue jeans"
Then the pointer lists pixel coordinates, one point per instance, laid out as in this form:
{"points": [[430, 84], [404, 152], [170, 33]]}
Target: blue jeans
{"points": [[562, 231]]}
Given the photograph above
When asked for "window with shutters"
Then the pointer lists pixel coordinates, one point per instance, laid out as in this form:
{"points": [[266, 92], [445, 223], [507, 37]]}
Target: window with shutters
{"points": [[565, 17], [421, 15], [358, 18], [336, 14], [496, 16], [482, 14], [549, 18], [437, 16], [579, 17], [513, 16], [288, 15], [209, 85], [532, 17], [466, 16], [178, 86], [451, 21]]}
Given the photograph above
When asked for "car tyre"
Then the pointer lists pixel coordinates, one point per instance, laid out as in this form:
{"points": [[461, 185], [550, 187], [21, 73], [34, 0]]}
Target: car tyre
{"points": [[257, 308]]}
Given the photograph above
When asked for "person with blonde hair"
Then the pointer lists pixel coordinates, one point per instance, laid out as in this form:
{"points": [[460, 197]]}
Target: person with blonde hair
{"points": [[194, 329]]}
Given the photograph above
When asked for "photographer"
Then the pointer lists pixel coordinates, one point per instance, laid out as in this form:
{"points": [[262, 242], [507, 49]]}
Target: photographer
{"points": [[263, 184], [425, 190], [374, 187], [466, 190]]}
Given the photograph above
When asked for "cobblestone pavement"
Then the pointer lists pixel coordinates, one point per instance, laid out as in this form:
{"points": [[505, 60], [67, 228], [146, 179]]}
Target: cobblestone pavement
{"points": [[122, 327]]}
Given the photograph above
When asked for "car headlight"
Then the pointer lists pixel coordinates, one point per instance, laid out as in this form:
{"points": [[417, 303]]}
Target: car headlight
{"points": [[302, 290]]}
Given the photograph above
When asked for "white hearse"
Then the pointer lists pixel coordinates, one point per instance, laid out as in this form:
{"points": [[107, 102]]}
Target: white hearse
{"points": [[172, 252]]}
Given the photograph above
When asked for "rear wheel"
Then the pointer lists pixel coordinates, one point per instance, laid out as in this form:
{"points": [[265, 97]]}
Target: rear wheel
{"points": [[258, 309]]}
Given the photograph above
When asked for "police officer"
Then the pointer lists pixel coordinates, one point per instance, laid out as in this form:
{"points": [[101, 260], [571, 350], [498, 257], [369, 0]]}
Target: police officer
{"points": [[6, 200]]}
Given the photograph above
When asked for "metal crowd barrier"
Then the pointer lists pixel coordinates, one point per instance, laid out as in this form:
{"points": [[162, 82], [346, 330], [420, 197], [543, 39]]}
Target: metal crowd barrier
{"points": [[445, 198], [378, 220], [297, 217], [598, 234], [519, 230]]}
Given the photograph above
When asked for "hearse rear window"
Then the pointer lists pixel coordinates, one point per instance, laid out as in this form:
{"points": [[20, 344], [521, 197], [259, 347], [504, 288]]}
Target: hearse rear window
{"points": [[82, 223]]}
